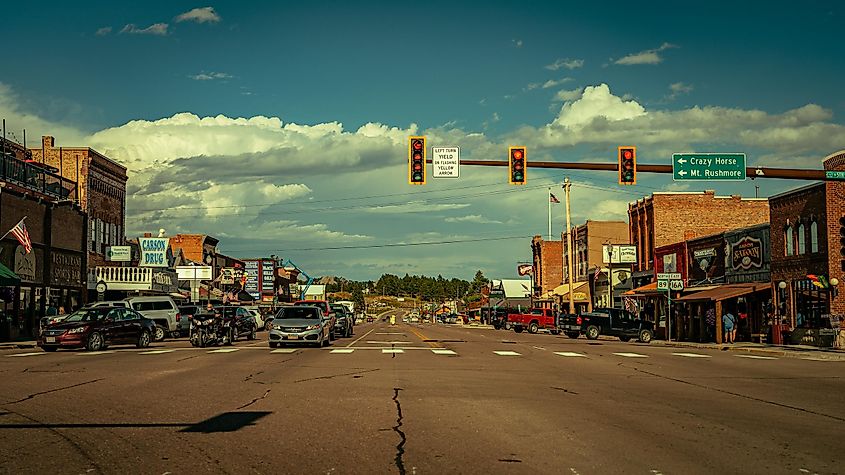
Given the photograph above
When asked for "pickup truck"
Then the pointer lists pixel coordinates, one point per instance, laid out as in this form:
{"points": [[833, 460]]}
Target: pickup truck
{"points": [[607, 321], [534, 320]]}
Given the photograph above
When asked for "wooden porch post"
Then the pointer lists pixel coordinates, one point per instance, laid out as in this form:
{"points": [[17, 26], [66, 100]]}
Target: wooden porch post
{"points": [[719, 332]]}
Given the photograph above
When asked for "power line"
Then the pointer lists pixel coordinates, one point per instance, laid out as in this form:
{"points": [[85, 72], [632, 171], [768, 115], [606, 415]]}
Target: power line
{"points": [[379, 246]]}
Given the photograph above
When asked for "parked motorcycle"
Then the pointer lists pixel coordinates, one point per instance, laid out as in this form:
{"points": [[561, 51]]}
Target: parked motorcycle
{"points": [[210, 329]]}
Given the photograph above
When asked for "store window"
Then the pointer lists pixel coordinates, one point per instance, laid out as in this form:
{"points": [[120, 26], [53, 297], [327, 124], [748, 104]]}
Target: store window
{"points": [[789, 240], [811, 302], [802, 244], [814, 237]]}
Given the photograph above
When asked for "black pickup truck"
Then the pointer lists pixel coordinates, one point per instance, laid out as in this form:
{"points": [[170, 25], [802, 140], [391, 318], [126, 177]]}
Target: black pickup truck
{"points": [[607, 321]]}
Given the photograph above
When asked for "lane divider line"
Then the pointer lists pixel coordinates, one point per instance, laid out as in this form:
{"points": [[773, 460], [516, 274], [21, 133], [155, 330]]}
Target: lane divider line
{"points": [[570, 354], [345, 351], [442, 351], [507, 353]]}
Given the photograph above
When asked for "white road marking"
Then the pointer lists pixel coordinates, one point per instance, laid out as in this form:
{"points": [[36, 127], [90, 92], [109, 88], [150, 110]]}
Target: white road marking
{"points": [[441, 351], [27, 354], [95, 353], [155, 352], [539, 348], [224, 350], [570, 354], [507, 353], [373, 342], [285, 350], [392, 350], [343, 350], [360, 338], [755, 357], [692, 355], [631, 355]]}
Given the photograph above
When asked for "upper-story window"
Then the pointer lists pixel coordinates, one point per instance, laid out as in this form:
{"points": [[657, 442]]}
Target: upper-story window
{"points": [[789, 240], [802, 242], [814, 237]]}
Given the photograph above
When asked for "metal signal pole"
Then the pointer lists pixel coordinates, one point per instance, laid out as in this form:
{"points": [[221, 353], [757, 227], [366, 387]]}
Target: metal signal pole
{"points": [[566, 186]]}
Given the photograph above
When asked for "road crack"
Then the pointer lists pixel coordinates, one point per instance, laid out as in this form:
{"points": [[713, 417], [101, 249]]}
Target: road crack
{"points": [[400, 447], [255, 400], [41, 393], [336, 375]]}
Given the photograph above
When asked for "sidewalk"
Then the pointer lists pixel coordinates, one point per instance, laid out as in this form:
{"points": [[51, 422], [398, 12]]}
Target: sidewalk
{"points": [[791, 351], [15, 345]]}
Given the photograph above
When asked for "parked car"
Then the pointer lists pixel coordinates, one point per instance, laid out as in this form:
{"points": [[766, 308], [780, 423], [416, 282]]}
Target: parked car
{"points": [[187, 312], [95, 328], [160, 309], [239, 318], [298, 324], [608, 321], [344, 322], [325, 307], [534, 320], [259, 318]]}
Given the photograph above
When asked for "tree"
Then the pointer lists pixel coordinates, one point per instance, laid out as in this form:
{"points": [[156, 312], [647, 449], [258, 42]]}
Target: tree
{"points": [[358, 298], [479, 282]]}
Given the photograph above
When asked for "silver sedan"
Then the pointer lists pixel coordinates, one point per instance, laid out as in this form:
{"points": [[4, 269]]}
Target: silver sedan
{"points": [[300, 325]]}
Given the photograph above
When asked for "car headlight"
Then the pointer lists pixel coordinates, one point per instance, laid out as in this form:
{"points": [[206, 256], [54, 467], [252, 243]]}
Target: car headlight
{"points": [[78, 330], [313, 327]]}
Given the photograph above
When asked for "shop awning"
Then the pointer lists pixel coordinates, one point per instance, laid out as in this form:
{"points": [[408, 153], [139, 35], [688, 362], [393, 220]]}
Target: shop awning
{"points": [[580, 293], [7, 277], [645, 290], [724, 292]]}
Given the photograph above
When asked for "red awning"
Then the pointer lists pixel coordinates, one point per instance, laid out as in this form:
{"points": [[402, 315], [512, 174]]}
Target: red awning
{"points": [[725, 292]]}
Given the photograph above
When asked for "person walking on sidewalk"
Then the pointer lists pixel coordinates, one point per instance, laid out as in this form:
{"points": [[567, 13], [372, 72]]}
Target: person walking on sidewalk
{"points": [[729, 324]]}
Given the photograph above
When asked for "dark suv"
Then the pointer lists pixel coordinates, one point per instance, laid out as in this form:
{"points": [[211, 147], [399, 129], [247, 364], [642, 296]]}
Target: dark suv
{"points": [[607, 321], [344, 320]]}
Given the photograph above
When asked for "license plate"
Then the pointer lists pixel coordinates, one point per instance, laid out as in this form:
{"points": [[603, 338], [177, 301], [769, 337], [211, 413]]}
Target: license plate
{"points": [[50, 339], [293, 337]]}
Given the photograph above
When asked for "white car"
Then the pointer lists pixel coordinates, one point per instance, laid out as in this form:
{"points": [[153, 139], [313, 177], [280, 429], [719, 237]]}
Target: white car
{"points": [[259, 319]]}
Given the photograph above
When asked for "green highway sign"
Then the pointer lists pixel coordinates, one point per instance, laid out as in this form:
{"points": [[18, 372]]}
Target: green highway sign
{"points": [[708, 166], [835, 175]]}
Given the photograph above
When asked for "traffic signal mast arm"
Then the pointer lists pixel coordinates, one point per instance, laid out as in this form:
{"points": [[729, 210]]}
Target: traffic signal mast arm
{"points": [[752, 172]]}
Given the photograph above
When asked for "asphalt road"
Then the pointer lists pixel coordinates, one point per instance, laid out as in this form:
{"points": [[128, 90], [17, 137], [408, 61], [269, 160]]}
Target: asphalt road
{"points": [[419, 399]]}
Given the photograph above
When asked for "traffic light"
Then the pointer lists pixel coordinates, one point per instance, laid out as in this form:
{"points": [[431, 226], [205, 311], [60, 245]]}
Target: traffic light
{"points": [[517, 166], [842, 242], [416, 160], [628, 165]]}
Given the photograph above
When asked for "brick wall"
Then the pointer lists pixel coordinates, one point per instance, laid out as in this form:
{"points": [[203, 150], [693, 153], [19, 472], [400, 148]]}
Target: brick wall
{"points": [[548, 263], [835, 209], [667, 218]]}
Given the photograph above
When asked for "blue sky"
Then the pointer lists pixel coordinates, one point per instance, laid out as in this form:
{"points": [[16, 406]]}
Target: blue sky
{"points": [[569, 80]]}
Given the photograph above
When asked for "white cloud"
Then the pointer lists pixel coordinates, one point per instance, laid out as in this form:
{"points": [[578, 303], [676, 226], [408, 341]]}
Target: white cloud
{"points": [[199, 15], [472, 218], [555, 82], [159, 29], [104, 31], [565, 63], [210, 76], [564, 95], [649, 56], [532, 86], [415, 207], [680, 87]]}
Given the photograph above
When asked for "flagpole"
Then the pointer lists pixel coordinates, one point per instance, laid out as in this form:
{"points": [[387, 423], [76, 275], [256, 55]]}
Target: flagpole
{"points": [[13, 227], [550, 213]]}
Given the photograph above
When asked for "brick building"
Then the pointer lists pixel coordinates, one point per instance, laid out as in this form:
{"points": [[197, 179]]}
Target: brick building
{"points": [[548, 264], [670, 217], [589, 238], [101, 185]]}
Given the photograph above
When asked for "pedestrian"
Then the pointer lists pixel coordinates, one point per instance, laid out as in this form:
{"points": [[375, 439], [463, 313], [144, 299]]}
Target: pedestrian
{"points": [[729, 325], [61, 310]]}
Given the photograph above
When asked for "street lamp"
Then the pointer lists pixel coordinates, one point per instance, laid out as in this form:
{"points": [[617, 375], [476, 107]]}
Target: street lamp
{"points": [[782, 284]]}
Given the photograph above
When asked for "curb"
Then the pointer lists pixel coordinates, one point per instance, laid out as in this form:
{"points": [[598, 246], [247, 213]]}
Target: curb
{"points": [[17, 346], [786, 353]]}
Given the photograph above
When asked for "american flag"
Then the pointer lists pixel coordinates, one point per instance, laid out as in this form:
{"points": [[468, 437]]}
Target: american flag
{"points": [[598, 271], [19, 231], [553, 198]]}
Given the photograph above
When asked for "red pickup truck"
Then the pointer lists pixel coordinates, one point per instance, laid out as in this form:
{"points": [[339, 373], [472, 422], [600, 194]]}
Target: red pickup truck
{"points": [[534, 320]]}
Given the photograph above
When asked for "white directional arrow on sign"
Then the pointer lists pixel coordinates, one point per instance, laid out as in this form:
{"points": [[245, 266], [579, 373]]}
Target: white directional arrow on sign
{"points": [[681, 161], [682, 172]]}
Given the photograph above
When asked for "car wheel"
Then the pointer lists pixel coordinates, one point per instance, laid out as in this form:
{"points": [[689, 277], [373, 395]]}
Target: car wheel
{"points": [[625, 338], [251, 334], [49, 349], [159, 333], [143, 339], [592, 332], [573, 335], [533, 327], [645, 336], [273, 344], [233, 336], [95, 342], [517, 328]]}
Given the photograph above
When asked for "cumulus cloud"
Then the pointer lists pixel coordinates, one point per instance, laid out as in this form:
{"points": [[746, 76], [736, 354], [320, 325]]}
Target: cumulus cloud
{"points": [[649, 56], [199, 15], [210, 76], [571, 95], [472, 218], [159, 29], [104, 31], [565, 63]]}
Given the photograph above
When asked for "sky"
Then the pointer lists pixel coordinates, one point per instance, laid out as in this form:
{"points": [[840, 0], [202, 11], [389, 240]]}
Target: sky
{"points": [[281, 127]]}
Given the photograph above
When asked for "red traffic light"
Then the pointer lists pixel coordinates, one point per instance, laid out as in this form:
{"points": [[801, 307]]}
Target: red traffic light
{"points": [[517, 154], [627, 165], [517, 165], [416, 160]]}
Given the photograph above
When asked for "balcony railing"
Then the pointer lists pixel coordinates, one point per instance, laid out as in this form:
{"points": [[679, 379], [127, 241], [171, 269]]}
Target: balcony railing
{"points": [[125, 278], [36, 177]]}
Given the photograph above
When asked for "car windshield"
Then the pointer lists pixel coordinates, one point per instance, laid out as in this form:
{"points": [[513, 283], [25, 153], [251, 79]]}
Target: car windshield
{"points": [[537, 311], [298, 313], [88, 315]]}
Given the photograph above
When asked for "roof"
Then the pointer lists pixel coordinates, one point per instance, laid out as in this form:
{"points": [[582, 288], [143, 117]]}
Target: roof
{"points": [[315, 290], [724, 292], [7, 277], [514, 288], [798, 190], [647, 289]]}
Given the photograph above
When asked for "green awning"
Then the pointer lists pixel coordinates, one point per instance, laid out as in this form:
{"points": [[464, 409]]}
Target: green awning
{"points": [[7, 277]]}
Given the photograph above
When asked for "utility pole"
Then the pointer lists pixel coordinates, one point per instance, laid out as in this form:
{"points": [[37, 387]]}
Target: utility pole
{"points": [[566, 186], [550, 213]]}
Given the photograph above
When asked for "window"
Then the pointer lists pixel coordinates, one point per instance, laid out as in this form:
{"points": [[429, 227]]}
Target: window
{"points": [[814, 237], [811, 303], [789, 240], [802, 244]]}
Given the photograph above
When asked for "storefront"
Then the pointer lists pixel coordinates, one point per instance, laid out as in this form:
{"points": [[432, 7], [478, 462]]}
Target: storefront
{"points": [[559, 297]]}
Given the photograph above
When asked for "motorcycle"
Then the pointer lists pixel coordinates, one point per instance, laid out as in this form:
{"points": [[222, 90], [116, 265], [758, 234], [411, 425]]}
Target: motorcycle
{"points": [[209, 329]]}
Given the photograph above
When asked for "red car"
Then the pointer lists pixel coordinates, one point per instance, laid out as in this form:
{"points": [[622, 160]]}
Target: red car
{"points": [[97, 328]]}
